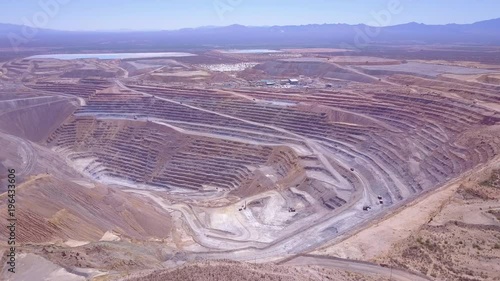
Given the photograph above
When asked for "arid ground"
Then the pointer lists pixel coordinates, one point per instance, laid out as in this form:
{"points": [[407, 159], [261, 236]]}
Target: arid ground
{"points": [[293, 164]]}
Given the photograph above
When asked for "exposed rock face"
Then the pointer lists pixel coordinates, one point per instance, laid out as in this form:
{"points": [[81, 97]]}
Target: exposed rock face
{"points": [[135, 165], [50, 209]]}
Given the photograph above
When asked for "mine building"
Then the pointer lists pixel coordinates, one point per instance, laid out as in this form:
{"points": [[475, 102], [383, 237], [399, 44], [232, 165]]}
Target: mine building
{"points": [[266, 82]]}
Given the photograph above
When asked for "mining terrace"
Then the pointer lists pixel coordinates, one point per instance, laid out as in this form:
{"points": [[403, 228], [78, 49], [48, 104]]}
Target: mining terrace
{"points": [[240, 156]]}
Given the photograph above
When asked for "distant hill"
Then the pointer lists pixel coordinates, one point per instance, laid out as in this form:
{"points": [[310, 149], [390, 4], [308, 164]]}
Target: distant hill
{"points": [[326, 35]]}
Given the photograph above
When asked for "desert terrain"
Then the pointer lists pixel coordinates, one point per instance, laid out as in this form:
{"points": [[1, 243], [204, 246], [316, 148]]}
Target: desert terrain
{"points": [[282, 164]]}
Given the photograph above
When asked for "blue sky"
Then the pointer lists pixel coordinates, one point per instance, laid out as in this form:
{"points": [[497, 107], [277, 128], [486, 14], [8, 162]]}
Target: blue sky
{"points": [[175, 14]]}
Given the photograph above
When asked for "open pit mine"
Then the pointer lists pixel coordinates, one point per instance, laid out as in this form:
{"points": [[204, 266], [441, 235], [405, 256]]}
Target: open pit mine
{"points": [[129, 167]]}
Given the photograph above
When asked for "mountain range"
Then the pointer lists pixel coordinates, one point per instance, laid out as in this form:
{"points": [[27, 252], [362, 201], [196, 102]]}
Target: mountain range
{"points": [[318, 35]]}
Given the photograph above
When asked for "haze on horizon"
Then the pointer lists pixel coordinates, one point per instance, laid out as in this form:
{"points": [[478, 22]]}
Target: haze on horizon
{"points": [[175, 14]]}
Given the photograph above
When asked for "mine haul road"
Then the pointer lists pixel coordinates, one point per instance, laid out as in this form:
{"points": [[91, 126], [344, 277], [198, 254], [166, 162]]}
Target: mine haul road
{"points": [[360, 194], [312, 144], [295, 241], [25, 151], [355, 266]]}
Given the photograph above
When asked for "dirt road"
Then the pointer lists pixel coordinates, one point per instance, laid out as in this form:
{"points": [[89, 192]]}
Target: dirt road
{"points": [[356, 266]]}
